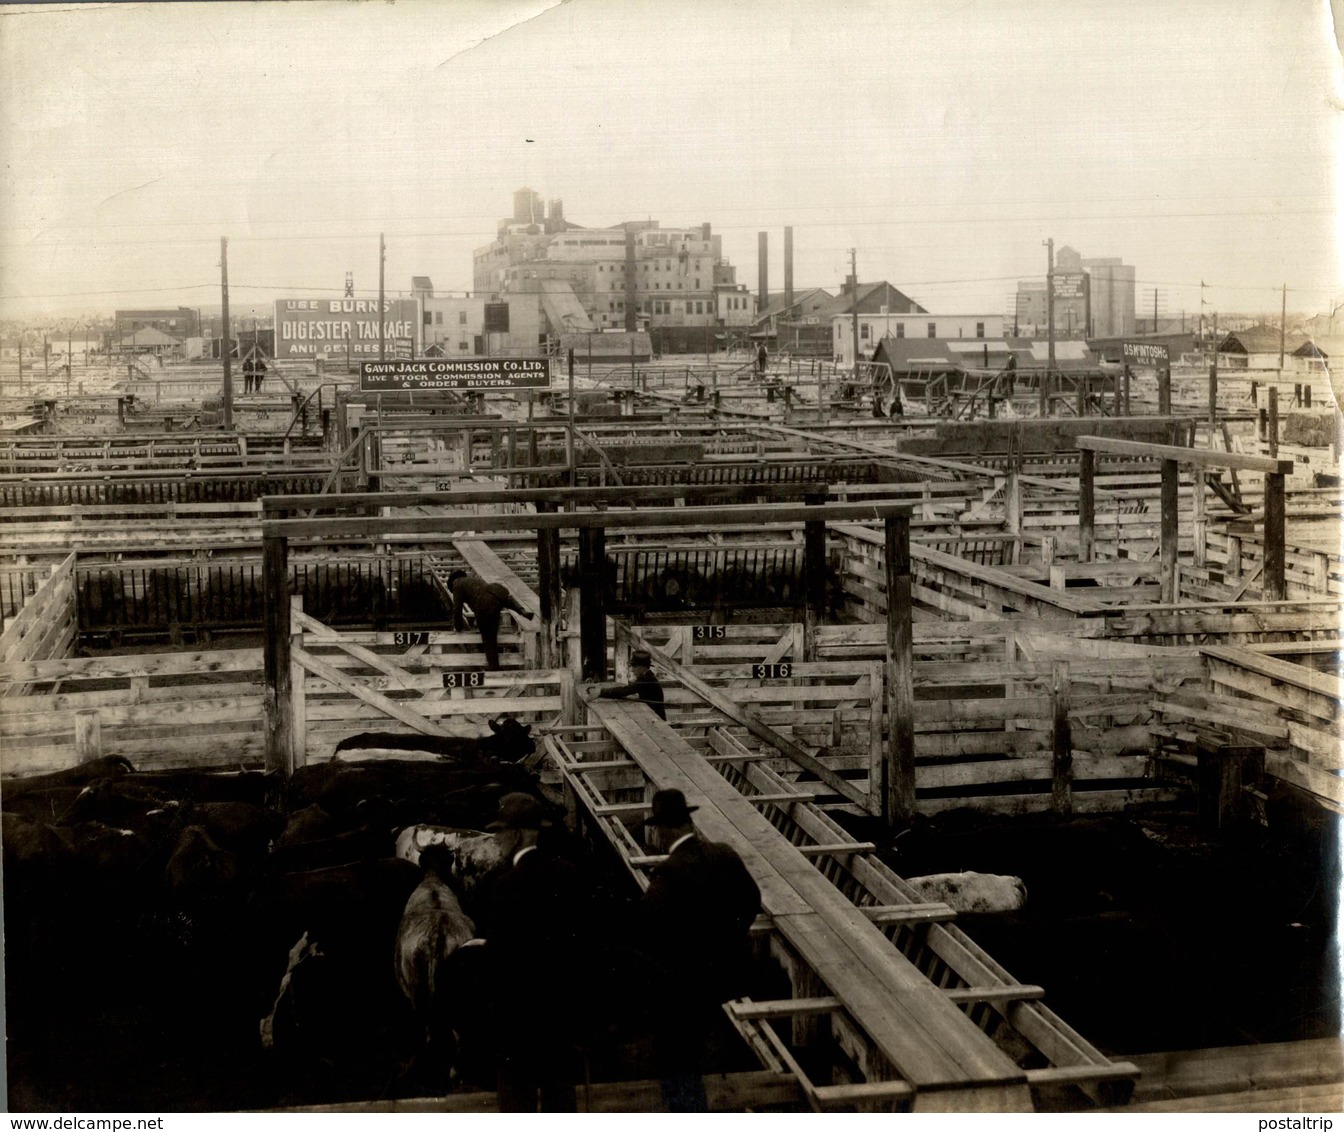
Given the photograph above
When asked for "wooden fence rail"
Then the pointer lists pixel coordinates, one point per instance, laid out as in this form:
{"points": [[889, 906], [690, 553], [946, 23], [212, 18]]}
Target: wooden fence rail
{"points": [[166, 710]]}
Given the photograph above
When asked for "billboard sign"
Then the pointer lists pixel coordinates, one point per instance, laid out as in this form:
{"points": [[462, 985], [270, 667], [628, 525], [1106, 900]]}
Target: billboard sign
{"points": [[496, 318], [327, 328], [402, 348], [425, 375], [1153, 354], [1070, 285]]}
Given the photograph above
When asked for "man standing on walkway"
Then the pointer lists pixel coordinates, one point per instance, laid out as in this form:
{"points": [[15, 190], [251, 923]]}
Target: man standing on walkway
{"points": [[696, 912]]}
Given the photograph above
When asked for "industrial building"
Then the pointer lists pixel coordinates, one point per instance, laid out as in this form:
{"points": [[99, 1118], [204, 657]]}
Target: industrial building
{"points": [[627, 276]]}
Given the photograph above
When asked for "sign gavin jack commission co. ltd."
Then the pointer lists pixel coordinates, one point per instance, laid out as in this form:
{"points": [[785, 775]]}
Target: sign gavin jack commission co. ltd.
{"points": [[428, 374]]}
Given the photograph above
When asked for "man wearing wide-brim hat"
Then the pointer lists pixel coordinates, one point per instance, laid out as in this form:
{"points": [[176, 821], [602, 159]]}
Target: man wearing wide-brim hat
{"points": [[533, 918], [695, 915], [645, 685]]}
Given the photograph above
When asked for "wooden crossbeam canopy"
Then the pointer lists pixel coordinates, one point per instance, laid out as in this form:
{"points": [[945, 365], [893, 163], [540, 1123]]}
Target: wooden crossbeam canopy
{"points": [[1200, 457], [1172, 456], [278, 505], [446, 525]]}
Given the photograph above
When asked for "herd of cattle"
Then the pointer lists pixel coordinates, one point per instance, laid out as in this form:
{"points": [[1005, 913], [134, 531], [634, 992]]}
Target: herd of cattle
{"points": [[637, 582], [113, 599], [252, 942]]}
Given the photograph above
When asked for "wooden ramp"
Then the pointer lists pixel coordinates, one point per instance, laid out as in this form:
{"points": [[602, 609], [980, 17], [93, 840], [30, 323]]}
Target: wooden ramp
{"points": [[920, 1050]]}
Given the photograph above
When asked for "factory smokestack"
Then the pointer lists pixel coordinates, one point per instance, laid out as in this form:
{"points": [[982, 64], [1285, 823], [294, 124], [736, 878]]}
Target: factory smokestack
{"points": [[763, 265], [788, 267]]}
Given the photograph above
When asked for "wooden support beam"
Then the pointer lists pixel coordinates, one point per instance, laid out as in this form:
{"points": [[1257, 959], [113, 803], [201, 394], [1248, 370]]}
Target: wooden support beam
{"points": [[1223, 772], [898, 792], [1061, 767], [278, 697], [1087, 504], [592, 614], [814, 563], [548, 586], [1171, 471], [1198, 457], [444, 525], [1275, 585]]}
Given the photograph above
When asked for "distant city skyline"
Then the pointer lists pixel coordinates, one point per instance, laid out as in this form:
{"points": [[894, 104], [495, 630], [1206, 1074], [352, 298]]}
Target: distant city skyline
{"points": [[1198, 143]]}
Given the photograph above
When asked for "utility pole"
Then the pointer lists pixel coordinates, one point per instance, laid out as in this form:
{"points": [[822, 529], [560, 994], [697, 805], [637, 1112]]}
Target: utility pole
{"points": [[854, 279], [224, 342], [1154, 310], [1049, 323], [382, 334], [1283, 327]]}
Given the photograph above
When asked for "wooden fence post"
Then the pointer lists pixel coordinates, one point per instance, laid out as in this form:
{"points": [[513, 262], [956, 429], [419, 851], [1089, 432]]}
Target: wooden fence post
{"points": [[1171, 473], [1272, 421], [298, 693], [814, 564], [899, 795], [88, 736], [1061, 767], [276, 650], [1200, 521], [548, 586], [1275, 587], [592, 613], [1223, 772], [1012, 513], [1087, 504]]}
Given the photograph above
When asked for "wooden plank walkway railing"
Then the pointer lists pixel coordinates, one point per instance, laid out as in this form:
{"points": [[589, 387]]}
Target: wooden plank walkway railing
{"points": [[926, 1040]]}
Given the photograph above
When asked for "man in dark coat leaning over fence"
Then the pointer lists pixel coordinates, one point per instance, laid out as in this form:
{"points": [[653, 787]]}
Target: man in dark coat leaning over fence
{"points": [[645, 685], [487, 600], [695, 915]]}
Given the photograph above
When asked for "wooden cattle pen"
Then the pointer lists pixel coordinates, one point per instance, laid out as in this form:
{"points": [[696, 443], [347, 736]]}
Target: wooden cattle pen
{"points": [[863, 628]]}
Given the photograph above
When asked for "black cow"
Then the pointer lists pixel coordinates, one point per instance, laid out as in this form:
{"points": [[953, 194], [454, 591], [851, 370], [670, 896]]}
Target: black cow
{"points": [[510, 741], [82, 775]]}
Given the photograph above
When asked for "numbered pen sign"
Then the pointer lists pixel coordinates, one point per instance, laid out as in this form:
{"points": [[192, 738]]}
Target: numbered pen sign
{"points": [[772, 671], [466, 678], [418, 637], [710, 632]]}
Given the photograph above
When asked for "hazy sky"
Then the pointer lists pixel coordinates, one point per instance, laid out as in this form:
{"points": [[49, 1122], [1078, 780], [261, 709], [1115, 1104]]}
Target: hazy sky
{"points": [[944, 141]]}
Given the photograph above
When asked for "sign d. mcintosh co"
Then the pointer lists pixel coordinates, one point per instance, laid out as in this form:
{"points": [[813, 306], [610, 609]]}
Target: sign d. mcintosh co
{"points": [[429, 374]]}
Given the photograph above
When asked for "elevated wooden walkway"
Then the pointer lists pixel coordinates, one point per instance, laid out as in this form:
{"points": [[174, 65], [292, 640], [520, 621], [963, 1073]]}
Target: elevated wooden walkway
{"points": [[923, 1043]]}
